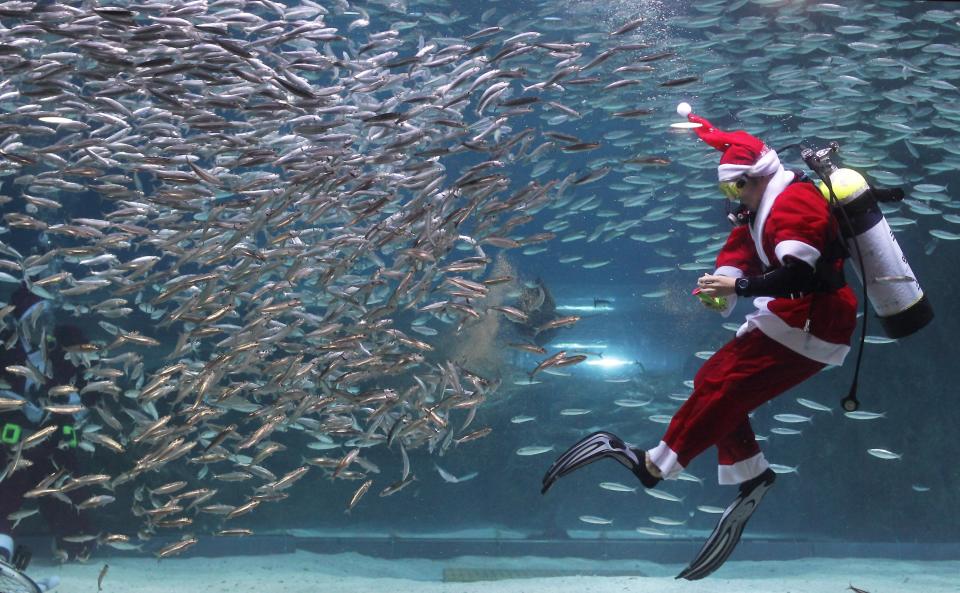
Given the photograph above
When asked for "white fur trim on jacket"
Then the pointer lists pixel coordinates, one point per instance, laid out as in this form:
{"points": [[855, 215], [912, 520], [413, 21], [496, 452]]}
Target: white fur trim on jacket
{"points": [[794, 338], [775, 187], [798, 249], [732, 299]]}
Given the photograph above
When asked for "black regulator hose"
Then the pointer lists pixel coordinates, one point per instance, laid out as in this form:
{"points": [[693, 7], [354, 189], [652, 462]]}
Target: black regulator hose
{"points": [[850, 403]]}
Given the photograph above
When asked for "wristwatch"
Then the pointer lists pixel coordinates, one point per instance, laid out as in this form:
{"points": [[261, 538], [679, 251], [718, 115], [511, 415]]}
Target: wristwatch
{"points": [[741, 286]]}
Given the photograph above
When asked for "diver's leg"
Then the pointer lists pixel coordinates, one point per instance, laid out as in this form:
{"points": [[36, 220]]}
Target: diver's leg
{"points": [[772, 370], [726, 535], [678, 447], [743, 374], [739, 455], [741, 462]]}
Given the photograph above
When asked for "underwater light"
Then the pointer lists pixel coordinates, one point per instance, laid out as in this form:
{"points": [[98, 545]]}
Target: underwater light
{"points": [[578, 346], [585, 308], [607, 362], [588, 306]]}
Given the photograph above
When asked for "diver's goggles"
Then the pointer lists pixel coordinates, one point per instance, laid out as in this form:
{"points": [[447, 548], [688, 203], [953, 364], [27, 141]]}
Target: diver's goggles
{"points": [[733, 189]]}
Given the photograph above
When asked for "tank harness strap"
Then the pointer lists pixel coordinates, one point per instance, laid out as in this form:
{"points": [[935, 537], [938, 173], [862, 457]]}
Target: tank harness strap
{"points": [[829, 277]]}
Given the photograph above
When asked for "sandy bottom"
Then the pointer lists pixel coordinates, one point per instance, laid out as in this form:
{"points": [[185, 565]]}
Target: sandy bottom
{"points": [[304, 572]]}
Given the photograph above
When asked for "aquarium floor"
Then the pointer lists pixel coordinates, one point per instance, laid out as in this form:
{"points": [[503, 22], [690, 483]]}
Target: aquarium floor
{"points": [[459, 574], [304, 572]]}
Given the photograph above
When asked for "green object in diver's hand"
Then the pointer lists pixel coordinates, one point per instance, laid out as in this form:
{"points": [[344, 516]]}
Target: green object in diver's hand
{"points": [[715, 303]]}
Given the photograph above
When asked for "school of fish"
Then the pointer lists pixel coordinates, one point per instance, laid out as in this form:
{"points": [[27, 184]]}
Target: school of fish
{"points": [[254, 204]]}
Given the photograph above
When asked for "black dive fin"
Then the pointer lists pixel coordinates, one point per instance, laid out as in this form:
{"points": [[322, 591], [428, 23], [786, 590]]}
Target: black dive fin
{"points": [[726, 535], [597, 446]]}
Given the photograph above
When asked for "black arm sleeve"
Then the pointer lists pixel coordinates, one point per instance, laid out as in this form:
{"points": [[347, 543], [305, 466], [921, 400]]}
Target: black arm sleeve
{"points": [[793, 279]]}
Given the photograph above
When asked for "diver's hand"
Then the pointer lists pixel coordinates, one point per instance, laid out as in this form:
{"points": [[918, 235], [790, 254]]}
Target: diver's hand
{"points": [[716, 286]]}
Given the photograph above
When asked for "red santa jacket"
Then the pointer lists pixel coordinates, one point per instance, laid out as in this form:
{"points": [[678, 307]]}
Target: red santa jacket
{"points": [[792, 219]]}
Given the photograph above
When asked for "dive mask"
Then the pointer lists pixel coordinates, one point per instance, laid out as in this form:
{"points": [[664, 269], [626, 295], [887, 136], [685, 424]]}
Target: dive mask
{"points": [[733, 189]]}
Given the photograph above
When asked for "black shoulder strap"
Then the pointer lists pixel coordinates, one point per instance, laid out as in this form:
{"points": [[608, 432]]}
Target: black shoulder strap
{"points": [[800, 177]]}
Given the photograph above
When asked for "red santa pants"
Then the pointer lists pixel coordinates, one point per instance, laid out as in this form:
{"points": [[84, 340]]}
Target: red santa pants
{"points": [[745, 373]]}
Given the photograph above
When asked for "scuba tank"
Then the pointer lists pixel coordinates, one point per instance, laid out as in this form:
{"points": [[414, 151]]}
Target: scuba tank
{"points": [[888, 281]]}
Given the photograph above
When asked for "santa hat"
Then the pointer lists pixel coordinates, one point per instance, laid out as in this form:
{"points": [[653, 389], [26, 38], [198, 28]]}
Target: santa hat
{"points": [[743, 154]]}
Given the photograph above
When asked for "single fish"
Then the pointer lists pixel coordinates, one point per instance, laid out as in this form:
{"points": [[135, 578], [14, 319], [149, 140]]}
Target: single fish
{"points": [[807, 403], [884, 454], [632, 403], [548, 362], [594, 520], [235, 532], [784, 469], [477, 434], [525, 382], [792, 418], [100, 577], [20, 515], [569, 361], [176, 547], [666, 521], [534, 450], [652, 531], [358, 495], [864, 415], [522, 419], [532, 348], [688, 477], [558, 322], [663, 495], [629, 26], [580, 147], [398, 486], [680, 81], [617, 487]]}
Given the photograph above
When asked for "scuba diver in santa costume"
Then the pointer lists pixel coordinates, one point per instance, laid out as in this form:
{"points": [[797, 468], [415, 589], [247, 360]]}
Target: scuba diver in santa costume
{"points": [[787, 254]]}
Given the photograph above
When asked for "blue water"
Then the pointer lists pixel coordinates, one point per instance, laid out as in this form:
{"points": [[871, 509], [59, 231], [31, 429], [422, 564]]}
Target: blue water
{"points": [[645, 322]]}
